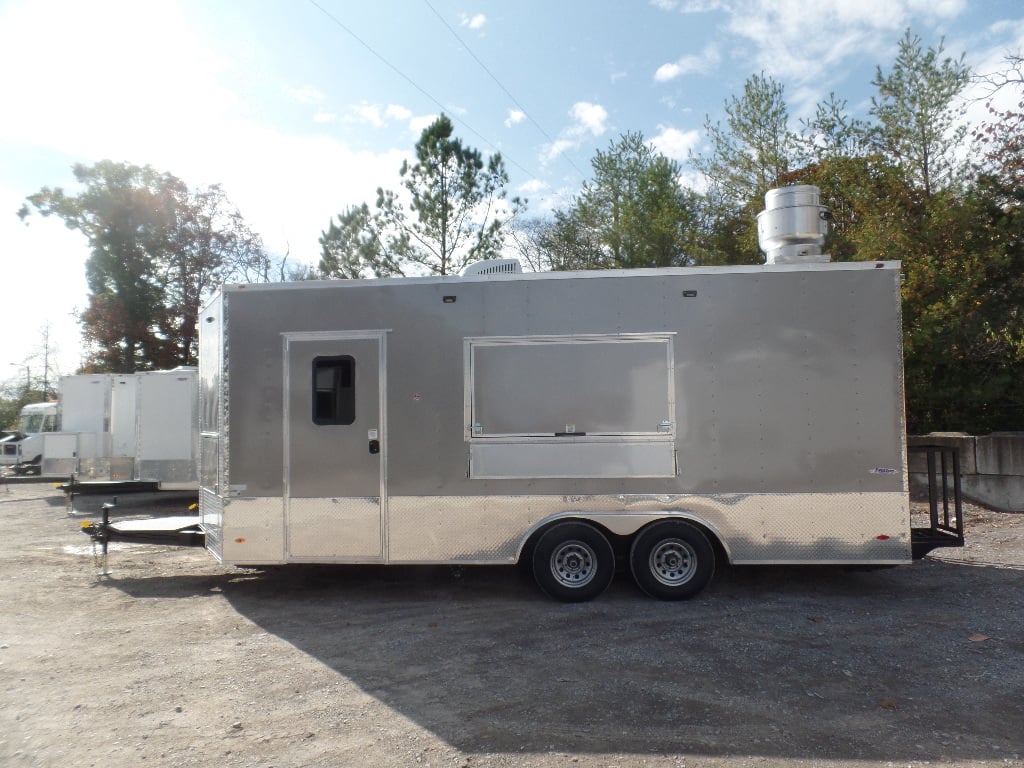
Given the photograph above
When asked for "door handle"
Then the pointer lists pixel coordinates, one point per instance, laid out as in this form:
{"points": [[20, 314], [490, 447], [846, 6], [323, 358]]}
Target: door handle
{"points": [[374, 447]]}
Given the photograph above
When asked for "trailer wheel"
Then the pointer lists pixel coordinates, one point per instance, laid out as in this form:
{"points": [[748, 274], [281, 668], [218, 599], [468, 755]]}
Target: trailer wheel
{"points": [[672, 560], [573, 562]]}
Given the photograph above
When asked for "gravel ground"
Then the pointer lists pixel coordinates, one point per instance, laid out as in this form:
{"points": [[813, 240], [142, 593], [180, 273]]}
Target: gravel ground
{"points": [[175, 660]]}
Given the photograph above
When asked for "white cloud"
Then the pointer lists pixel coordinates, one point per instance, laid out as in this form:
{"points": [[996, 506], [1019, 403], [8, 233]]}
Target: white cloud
{"points": [[703, 62], [783, 47], [703, 6], [533, 186], [474, 22], [942, 9], [307, 94], [675, 144], [369, 113], [556, 148], [589, 118], [419, 123], [397, 112], [667, 72], [38, 252], [379, 116], [987, 58], [691, 6], [515, 116], [127, 107], [322, 117], [180, 106]]}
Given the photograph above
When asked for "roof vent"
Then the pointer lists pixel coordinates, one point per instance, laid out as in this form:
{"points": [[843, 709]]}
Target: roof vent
{"points": [[792, 227], [493, 267]]}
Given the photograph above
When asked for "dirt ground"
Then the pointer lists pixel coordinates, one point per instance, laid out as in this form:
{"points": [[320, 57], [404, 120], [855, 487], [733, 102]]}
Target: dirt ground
{"points": [[175, 660]]}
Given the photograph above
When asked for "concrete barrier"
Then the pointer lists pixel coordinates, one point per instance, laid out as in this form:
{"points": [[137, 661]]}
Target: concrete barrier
{"points": [[991, 466]]}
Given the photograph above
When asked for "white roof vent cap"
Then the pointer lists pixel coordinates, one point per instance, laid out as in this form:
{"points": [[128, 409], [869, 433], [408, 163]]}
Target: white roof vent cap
{"points": [[493, 267]]}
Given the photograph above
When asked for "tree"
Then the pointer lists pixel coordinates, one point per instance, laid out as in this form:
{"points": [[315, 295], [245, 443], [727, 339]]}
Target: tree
{"points": [[632, 213], [978, 362], [869, 203], [454, 215], [537, 243], [35, 381], [210, 244], [749, 156], [833, 133], [354, 245], [157, 250], [562, 243], [918, 116]]}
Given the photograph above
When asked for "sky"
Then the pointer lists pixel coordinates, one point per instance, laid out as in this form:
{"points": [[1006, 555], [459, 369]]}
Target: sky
{"points": [[301, 108]]}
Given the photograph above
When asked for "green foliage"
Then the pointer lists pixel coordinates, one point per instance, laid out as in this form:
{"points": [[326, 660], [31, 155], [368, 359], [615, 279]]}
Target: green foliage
{"points": [[749, 155], [870, 205], [632, 213], [833, 133], [918, 117], [354, 245], [453, 216], [157, 251]]}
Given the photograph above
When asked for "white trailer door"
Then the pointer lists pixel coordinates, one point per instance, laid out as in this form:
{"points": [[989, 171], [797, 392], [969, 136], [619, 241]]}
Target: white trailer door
{"points": [[335, 446]]}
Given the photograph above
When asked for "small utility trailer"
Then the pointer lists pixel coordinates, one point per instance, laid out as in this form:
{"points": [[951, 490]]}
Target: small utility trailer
{"points": [[667, 419]]}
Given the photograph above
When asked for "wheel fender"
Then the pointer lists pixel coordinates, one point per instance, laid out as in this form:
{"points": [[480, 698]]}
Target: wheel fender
{"points": [[623, 524]]}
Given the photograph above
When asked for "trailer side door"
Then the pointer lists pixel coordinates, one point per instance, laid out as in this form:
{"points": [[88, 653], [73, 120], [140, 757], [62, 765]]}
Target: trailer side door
{"points": [[335, 446]]}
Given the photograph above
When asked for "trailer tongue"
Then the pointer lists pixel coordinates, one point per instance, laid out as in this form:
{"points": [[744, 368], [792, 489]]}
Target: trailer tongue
{"points": [[182, 531]]}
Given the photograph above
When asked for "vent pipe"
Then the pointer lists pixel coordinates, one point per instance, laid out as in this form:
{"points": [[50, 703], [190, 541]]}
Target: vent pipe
{"points": [[792, 227]]}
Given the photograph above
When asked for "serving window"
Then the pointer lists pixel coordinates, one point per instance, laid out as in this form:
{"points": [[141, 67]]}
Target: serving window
{"points": [[562, 391]]}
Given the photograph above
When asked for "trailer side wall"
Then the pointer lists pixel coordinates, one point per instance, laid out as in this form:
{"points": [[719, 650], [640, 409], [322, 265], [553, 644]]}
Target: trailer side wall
{"points": [[783, 411]]}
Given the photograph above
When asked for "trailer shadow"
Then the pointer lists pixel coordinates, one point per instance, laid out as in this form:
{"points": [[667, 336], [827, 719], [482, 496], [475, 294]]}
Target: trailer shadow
{"points": [[803, 663]]}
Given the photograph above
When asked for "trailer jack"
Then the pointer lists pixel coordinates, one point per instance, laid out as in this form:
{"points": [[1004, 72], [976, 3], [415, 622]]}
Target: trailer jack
{"points": [[180, 531]]}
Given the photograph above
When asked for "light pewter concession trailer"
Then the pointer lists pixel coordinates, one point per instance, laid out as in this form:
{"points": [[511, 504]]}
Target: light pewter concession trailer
{"points": [[675, 416], [669, 418]]}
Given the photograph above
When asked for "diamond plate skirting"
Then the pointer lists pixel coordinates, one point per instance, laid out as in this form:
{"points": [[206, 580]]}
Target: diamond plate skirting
{"points": [[753, 528]]}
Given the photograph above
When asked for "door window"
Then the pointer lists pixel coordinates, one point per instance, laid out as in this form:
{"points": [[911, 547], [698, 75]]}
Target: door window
{"points": [[334, 390]]}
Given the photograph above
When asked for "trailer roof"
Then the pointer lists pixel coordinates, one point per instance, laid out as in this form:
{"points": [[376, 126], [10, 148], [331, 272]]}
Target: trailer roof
{"points": [[593, 274]]}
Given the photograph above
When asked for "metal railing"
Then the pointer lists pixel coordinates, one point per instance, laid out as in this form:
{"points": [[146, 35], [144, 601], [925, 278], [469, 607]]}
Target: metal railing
{"points": [[945, 501]]}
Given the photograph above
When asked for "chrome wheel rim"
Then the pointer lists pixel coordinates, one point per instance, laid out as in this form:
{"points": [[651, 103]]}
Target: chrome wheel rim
{"points": [[673, 562], [574, 564]]}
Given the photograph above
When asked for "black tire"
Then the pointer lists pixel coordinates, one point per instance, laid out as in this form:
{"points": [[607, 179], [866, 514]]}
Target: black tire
{"points": [[672, 560], [573, 562]]}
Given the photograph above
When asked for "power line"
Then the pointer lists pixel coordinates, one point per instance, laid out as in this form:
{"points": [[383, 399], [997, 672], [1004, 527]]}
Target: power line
{"points": [[414, 84], [499, 83]]}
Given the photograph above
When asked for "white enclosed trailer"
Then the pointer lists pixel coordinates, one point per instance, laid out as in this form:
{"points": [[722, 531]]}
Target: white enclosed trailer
{"points": [[139, 428]]}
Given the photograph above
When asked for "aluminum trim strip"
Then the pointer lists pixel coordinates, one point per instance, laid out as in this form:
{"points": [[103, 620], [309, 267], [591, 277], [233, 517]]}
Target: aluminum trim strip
{"points": [[835, 266]]}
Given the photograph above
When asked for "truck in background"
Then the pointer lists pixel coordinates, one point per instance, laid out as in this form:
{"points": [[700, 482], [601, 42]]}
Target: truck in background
{"points": [[22, 450]]}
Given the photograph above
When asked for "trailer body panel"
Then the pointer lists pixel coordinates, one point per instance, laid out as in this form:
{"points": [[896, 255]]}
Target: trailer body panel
{"points": [[764, 403]]}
